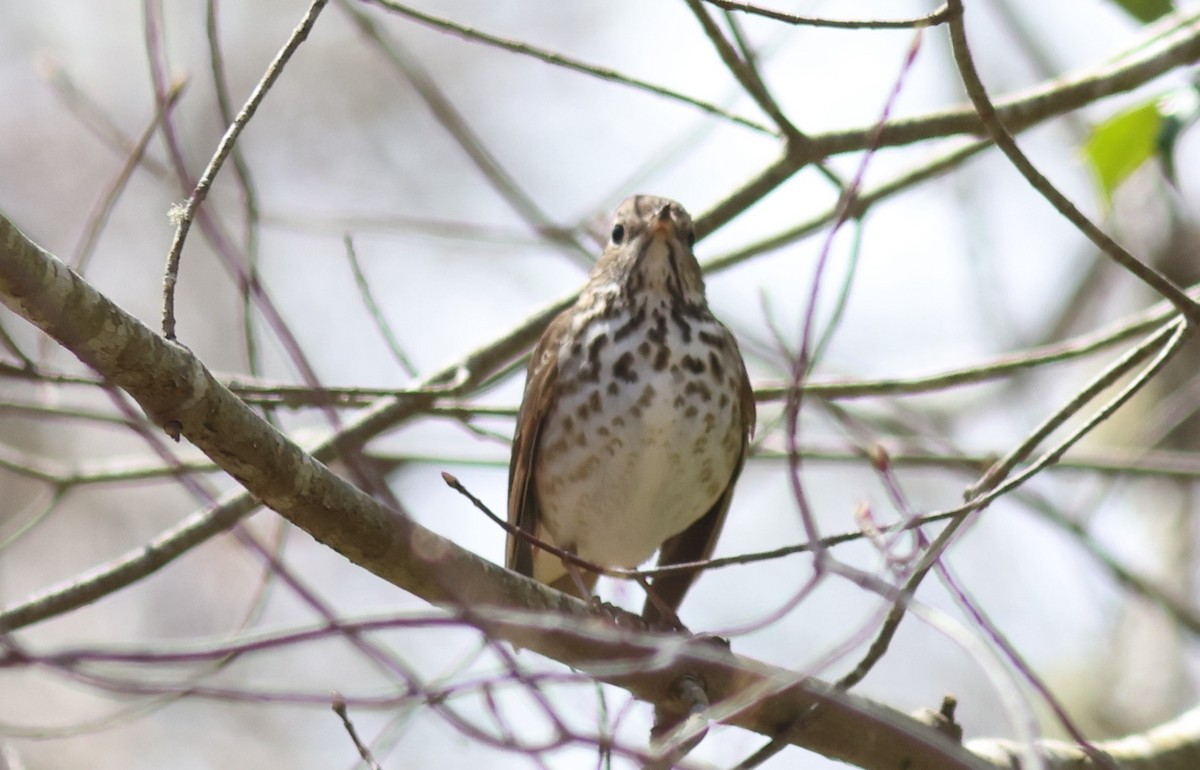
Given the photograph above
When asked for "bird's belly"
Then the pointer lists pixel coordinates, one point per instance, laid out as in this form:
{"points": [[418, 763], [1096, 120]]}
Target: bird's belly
{"points": [[614, 482]]}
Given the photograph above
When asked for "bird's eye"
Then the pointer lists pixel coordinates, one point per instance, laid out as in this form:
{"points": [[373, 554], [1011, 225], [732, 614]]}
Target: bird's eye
{"points": [[691, 239], [618, 234]]}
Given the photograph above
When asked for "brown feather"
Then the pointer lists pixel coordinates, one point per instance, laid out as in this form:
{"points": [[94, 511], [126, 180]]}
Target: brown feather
{"points": [[619, 266], [523, 511], [697, 542]]}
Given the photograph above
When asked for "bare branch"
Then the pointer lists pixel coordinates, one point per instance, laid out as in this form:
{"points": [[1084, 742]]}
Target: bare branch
{"points": [[176, 390], [188, 212]]}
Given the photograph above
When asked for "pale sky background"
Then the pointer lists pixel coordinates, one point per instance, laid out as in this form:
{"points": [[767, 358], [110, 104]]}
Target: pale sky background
{"points": [[959, 270]]}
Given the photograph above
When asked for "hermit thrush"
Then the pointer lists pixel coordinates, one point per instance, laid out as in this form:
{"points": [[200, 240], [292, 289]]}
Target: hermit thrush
{"points": [[636, 415]]}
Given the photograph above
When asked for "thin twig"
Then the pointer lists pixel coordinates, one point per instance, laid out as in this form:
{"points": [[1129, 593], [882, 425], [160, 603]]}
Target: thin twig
{"points": [[339, 707], [1166, 342], [518, 47], [1061, 203], [515, 531], [972, 609], [98, 217], [864, 200], [747, 75], [94, 118], [1163, 47], [459, 129], [375, 311], [929, 20], [244, 179], [187, 212], [236, 262]]}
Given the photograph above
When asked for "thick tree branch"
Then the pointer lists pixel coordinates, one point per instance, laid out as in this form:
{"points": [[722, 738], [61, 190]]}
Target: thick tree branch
{"points": [[178, 393], [181, 395]]}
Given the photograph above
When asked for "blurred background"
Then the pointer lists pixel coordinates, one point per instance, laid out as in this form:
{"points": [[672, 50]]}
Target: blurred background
{"points": [[449, 176]]}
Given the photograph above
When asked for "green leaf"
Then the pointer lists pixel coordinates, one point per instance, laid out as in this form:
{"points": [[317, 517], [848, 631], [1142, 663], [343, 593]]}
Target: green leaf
{"points": [[1146, 11], [1180, 110], [1119, 145]]}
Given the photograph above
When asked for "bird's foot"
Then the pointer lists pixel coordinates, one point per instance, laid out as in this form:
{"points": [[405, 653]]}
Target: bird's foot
{"points": [[621, 618]]}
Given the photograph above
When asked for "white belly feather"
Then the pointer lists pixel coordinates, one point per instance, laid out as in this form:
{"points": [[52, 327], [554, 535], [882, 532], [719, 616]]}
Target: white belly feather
{"points": [[651, 462]]}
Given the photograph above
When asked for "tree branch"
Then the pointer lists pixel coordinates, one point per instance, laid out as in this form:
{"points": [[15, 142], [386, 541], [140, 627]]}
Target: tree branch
{"points": [[179, 394]]}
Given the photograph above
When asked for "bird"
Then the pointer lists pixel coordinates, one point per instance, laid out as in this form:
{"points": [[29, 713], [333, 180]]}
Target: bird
{"points": [[636, 418]]}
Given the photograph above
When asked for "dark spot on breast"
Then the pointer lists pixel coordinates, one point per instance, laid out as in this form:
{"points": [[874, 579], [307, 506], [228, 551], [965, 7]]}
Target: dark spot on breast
{"points": [[591, 371], [691, 411], [658, 332], [713, 340], [568, 424], [623, 368], [581, 412], [647, 396], [618, 422], [678, 402], [593, 401], [612, 388], [692, 364], [723, 401], [698, 388], [627, 328], [714, 363], [662, 358], [644, 349], [685, 328]]}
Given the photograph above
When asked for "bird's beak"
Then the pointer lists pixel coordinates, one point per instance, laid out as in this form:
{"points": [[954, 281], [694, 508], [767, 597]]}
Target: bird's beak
{"points": [[664, 224]]}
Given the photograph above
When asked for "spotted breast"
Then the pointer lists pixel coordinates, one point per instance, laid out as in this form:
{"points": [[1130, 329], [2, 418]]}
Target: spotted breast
{"points": [[636, 416]]}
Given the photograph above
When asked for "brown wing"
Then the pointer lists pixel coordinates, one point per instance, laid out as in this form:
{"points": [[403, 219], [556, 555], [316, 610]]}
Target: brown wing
{"points": [[523, 510], [697, 542]]}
